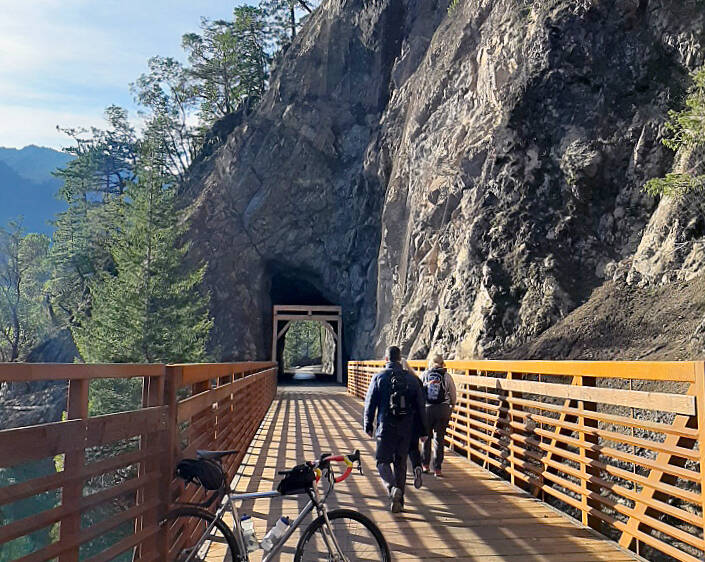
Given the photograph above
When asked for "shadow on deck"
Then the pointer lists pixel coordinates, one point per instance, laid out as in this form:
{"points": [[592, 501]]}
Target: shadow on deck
{"points": [[468, 515]]}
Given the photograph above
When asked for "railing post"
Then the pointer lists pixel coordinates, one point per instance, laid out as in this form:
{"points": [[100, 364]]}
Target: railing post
{"points": [[700, 404], [77, 408], [153, 394], [510, 430], [172, 379], [587, 440]]}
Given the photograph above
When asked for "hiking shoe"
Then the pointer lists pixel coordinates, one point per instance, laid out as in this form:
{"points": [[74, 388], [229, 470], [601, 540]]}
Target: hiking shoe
{"points": [[418, 481], [397, 498], [437, 473], [426, 469]]}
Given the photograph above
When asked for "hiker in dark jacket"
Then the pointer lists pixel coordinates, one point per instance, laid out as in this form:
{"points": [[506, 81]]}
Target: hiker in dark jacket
{"points": [[440, 394], [417, 433], [393, 399]]}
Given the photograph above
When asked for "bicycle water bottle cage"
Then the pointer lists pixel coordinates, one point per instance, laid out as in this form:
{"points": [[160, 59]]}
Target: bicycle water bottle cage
{"points": [[202, 472]]}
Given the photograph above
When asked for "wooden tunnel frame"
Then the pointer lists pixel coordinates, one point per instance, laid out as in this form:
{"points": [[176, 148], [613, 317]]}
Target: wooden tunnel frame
{"points": [[326, 315]]}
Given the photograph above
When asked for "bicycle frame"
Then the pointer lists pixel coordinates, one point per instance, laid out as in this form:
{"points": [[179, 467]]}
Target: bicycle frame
{"points": [[228, 504]]}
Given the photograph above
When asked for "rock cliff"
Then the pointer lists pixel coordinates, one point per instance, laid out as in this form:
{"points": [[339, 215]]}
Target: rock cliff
{"points": [[460, 179]]}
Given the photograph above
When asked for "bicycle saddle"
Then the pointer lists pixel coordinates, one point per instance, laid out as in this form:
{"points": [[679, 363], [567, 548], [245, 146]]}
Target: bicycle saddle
{"points": [[214, 455]]}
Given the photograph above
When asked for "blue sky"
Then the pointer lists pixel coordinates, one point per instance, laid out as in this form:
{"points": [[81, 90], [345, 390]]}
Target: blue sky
{"points": [[63, 61]]}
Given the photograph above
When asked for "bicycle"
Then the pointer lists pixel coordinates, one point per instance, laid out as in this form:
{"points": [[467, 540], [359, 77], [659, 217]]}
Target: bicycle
{"points": [[332, 535]]}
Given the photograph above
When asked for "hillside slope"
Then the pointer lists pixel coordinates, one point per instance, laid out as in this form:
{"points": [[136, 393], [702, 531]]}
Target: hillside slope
{"points": [[28, 189], [620, 321]]}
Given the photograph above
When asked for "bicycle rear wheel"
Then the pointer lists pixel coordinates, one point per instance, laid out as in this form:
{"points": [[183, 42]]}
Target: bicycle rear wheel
{"points": [[188, 526], [358, 537]]}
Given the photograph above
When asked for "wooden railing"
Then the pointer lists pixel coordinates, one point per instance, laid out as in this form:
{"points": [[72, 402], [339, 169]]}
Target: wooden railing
{"points": [[618, 445], [113, 479]]}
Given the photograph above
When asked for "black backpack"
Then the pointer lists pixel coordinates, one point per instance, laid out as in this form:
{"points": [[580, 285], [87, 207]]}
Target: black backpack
{"points": [[435, 387], [398, 398]]}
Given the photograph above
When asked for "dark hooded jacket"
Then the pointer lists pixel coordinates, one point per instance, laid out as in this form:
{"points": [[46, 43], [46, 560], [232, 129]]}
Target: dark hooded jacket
{"points": [[377, 404]]}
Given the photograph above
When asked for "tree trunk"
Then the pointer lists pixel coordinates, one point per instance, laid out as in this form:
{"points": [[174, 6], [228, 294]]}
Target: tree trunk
{"points": [[292, 16]]}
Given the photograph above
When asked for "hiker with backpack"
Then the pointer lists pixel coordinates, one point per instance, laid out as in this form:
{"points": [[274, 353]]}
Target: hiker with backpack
{"points": [[393, 400], [440, 397]]}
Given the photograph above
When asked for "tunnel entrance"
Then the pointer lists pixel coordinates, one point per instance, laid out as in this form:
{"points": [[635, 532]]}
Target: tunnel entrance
{"points": [[302, 321]]}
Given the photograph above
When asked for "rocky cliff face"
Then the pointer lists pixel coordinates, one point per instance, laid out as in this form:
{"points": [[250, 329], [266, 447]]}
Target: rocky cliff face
{"points": [[460, 180]]}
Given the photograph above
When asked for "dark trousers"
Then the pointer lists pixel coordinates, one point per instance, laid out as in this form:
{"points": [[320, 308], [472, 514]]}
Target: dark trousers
{"points": [[414, 452], [392, 451], [438, 417]]}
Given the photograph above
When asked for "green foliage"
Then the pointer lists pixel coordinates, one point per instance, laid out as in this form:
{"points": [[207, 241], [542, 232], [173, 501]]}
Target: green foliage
{"points": [[453, 5], [228, 62], [150, 308], [686, 135], [94, 184], [169, 96], [284, 19], [249, 28], [303, 343], [24, 269]]}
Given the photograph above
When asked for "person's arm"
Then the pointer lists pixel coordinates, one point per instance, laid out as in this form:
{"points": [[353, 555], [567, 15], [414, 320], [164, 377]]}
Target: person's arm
{"points": [[421, 408], [450, 383], [371, 404]]}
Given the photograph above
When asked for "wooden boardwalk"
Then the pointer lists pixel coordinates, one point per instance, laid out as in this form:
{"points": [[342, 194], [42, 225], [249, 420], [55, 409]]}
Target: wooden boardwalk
{"points": [[468, 515]]}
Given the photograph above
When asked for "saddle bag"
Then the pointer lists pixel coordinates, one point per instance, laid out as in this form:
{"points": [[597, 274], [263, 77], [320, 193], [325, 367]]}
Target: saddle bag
{"points": [[204, 472]]}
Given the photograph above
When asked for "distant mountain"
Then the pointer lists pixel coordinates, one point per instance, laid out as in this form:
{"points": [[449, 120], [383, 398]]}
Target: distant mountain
{"points": [[27, 187]]}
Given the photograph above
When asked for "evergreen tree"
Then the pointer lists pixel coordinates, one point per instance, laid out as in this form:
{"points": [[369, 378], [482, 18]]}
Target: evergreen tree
{"points": [[250, 31], [150, 309], [686, 136], [169, 97], [228, 62], [213, 56], [284, 18], [94, 183], [23, 272]]}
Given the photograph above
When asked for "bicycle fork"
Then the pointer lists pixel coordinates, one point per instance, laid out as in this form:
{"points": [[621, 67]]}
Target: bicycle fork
{"points": [[322, 511]]}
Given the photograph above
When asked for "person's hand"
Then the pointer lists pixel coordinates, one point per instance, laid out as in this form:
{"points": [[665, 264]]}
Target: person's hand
{"points": [[370, 433]]}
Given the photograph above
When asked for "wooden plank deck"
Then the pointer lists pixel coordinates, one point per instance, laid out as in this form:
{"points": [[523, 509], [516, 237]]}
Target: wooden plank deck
{"points": [[468, 515]]}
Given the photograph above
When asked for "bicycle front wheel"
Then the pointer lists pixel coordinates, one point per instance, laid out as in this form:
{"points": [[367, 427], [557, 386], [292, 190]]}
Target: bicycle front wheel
{"points": [[188, 528], [358, 537]]}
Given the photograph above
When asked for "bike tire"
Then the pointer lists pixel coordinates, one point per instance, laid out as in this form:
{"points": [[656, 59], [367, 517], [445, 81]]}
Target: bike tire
{"points": [[381, 554], [207, 517]]}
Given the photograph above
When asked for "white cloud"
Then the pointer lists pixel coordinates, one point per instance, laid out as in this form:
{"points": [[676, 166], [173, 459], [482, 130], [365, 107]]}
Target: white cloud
{"points": [[63, 61], [20, 126]]}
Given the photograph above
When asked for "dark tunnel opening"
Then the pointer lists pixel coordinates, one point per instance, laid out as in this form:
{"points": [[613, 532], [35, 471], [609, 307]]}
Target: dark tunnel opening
{"points": [[300, 288], [293, 288]]}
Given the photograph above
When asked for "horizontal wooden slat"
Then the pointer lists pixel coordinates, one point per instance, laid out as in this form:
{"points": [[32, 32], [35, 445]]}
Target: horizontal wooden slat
{"points": [[683, 371], [674, 403], [608, 418], [124, 545], [45, 518], [43, 441], [200, 372], [9, 494], [101, 430], [48, 440], [72, 371]]}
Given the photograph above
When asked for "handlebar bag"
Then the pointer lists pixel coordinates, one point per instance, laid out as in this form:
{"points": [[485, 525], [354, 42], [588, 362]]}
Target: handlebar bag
{"points": [[297, 481]]}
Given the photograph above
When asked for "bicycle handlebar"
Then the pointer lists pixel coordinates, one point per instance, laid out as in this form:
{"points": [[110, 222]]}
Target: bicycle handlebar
{"points": [[324, 464], [349, 460]]}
